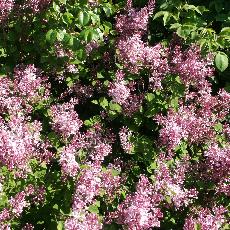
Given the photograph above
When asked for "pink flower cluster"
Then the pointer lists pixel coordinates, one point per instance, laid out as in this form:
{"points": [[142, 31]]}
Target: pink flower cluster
{"points": [[135, 54], [27, 88], [5, 8], [20, 139], [216, 167], [71, 68], [20, 201], [118, 89], [223, 187], [83, 220], [139, 210], [20, 142], [65, 120], [132, 51], [194, 122], [28, 227], [124, 135], [91, 180], [191, 67], [184, 125], [218, 157], [123, 94], [36, 5], [170, 183], [207, 219], [91, 46], [89, 185], [135, 21], [93, 144]]}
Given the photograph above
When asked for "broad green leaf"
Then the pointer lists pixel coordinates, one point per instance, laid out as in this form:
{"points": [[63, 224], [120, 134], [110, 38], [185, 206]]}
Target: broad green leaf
{"points": [[107, 27], [226, 227], [67, 18], [54, 139], [60, 225], [95, 18], [93, 209], [166, 17], [83, 18], [225, 31], [108, 9], [149, 97], [168, 199], [115, 172], [221, 61], [175, 26], [81, 54], [60, 35], [198, 9], [197, 226], [75, 43], [51, 36], [218, 127], [115, 106], [56, 7], [103, 102], [185, 30], [89, 35]]}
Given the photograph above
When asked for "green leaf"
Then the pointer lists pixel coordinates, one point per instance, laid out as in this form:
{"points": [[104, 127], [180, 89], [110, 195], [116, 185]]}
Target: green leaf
{"points": [[56, 7], [93, 209], [226, 227], [168, 199], [159, 14], [175, 26], [221, 61], [89, 35], [60, 225], [225, 31], [81, 54], [103, 102], [3, 200], [115, 172], [149, 97], [95, 18], [194, 8], [51, 36], [166, 16], [107, 27], [54, 139], [56, 207], [67, 18], [83, 18], [115, 106], [107, 10], [60, 35], [197, 226], [185, 30], [218, 127]]}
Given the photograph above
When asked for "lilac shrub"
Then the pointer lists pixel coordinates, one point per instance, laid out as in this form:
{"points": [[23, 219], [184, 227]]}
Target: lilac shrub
{"points": [[108, 130]]}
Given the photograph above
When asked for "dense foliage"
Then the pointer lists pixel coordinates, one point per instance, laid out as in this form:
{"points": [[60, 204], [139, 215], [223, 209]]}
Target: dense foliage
{"points": [[114, 114]]}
